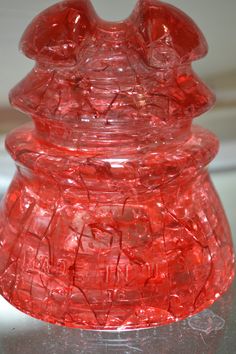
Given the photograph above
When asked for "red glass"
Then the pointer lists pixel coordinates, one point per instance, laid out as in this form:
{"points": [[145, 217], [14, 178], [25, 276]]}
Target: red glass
{"points": [[111, 221]]}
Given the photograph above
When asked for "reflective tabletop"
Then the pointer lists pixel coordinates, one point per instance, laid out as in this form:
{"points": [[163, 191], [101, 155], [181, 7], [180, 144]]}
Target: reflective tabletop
{"points": [[211, 331]]}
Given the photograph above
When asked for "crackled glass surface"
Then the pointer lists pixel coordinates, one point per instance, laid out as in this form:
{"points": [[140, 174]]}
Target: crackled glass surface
{"points": [[111, 220]]}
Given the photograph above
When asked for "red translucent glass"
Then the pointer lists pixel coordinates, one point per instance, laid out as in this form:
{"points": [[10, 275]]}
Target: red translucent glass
{"points": [[111, 221]]}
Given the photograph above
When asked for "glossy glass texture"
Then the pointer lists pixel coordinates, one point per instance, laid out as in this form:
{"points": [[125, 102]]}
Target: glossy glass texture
{"points": [[111, 221]]}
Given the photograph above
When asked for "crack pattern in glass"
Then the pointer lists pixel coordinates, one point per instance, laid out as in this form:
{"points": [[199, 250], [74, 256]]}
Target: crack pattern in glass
{"points": [[111, 221]]}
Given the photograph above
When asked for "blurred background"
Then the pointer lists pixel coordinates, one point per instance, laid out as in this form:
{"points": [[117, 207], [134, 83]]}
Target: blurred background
{"points": [[216, 18]]}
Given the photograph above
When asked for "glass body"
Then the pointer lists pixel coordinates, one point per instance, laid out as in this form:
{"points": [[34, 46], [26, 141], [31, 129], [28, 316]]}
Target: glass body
{"points": [[111, 221]]}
